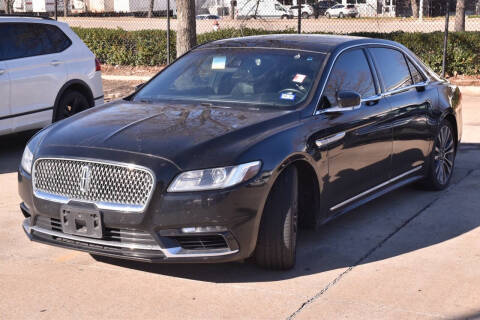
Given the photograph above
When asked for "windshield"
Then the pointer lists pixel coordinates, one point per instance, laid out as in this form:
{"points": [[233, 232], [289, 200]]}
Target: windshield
{"points": [[264, 77]]}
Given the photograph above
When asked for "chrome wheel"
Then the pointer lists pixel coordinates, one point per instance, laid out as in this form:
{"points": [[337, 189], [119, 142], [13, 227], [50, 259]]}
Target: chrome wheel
{"points": [[444, 155]]}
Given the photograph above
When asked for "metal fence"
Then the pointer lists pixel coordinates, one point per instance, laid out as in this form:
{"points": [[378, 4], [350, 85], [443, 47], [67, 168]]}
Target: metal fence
{"points": [[329, 16]]}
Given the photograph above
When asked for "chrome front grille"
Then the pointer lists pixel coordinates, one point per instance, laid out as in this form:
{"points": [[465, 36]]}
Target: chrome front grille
{"points": [[108, 185]]}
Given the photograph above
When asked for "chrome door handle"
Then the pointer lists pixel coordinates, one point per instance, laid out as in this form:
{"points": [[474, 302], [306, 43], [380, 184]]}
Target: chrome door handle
{"points": [[331, 139], [55, 63], [2, 71]]}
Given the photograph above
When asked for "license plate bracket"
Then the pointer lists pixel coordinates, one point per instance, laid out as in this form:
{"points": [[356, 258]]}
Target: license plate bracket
{"points": [[82, 222]]}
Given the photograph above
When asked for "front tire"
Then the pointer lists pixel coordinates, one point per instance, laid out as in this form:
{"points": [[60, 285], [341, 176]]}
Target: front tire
{"points": [[341, 15], [305, 15], [70, 103], [442, 159], [277, 238]]}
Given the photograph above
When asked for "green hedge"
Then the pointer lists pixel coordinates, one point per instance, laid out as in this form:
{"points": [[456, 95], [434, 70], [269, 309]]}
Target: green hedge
{"points": [[148, 47]]}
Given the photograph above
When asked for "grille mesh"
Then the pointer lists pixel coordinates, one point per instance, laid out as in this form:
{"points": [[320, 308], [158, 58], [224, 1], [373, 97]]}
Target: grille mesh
{"points": [[109, 183]]}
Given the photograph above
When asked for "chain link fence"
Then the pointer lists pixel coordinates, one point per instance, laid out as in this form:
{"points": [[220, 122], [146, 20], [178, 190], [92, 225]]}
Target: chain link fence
{"points": [[142, 32]]}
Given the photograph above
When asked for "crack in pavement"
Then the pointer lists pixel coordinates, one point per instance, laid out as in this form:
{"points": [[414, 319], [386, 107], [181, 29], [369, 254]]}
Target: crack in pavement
{"points": [[371, 251]]}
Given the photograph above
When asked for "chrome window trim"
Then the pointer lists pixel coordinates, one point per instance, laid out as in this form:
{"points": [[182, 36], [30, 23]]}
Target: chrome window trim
{"points": [[365, 45], [174, 252], [100, 204], [341, 204]]}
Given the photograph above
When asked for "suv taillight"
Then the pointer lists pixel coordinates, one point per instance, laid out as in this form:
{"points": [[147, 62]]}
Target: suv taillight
{"points": [[98, 67]]}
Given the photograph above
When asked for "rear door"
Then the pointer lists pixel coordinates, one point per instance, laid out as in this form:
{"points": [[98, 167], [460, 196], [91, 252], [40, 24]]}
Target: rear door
{"points": [[359, 140], [37, 73], [411, 103], [5, 123]]}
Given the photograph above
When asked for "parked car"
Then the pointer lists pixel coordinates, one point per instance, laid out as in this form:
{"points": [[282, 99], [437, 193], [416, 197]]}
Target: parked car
{"points": [[46, 73], [342, 11], [208, 17], [320, 7], [248, 9], [306, 11], [227, 151]]}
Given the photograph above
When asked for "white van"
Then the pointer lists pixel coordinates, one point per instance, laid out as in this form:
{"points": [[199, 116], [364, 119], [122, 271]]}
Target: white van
{"points": [[262, 9], [22, 6], [143, 5]]}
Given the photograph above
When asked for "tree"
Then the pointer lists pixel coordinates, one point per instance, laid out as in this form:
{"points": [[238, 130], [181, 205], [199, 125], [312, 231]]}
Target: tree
{"points": [[414, 6], [65, 8], [232, 9], [477, 7], [460, 16], [150, 9], [8, 4], [186, 26]]}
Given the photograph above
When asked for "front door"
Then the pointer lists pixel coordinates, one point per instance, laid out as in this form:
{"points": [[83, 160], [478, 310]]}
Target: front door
{"points": [[358, 140]]}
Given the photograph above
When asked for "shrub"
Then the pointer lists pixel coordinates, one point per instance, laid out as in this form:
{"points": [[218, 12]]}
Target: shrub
{"points": [[148, 47]]}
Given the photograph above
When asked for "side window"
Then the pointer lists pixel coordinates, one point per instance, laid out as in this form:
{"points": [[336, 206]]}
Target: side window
{"points": [[416, 75], [351, 72], [393, 68]]}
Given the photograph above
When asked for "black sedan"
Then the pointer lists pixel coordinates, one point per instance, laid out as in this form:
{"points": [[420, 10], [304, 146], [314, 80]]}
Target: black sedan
{"points": [[226, 152]]}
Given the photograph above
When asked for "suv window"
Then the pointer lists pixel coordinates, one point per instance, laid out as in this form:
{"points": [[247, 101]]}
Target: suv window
{"points": [[416, 75], [20, 40], [393, 68], [351, 72]]}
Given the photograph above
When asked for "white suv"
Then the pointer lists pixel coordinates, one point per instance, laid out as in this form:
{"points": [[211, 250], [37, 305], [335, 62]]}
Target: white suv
{"points": [[46, 73], [342, 11]]}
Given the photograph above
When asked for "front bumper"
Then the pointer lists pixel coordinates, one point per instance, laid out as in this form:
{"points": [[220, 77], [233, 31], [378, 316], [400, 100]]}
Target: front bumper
{"points": [[173, 228]]}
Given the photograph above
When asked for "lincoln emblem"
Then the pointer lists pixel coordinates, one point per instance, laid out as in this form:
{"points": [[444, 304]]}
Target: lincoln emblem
{"points": [[85, 179]]}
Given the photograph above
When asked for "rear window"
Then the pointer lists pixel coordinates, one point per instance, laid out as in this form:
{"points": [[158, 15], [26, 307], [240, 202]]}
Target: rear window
{"points": [[21, 40]]}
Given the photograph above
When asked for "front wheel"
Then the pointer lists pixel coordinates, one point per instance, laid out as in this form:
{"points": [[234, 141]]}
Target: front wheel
{"points": [[442, 159], [277, 238], [305, 15], [328, 15], [341, 15]]}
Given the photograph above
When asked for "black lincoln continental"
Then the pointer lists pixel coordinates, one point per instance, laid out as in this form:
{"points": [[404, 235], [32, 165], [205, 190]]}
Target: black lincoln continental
{"points": [[228, 151]]}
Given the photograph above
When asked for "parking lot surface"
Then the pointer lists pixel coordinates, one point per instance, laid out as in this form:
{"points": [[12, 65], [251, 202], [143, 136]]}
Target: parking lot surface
{"points": [[411, 254]]}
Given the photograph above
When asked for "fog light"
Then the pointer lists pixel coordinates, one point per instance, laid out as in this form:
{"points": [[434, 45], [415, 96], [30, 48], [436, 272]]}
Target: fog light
{"points": [[204, 229]]}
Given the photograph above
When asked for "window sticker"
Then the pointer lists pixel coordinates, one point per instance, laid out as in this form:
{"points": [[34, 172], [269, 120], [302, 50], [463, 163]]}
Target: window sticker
{"points": [[299, 78], [218, 63], [288, 96]]}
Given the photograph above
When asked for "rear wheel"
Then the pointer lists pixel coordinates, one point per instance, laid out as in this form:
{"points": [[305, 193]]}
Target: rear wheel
{"points": [[341, 15], [277, 238], [70, 103], [305, 15], [284, 17], [328, 15], [442, 159]]}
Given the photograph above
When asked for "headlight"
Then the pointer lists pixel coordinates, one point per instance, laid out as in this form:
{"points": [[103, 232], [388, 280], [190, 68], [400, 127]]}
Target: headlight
{"points": [[27, 160], [216, 178]]}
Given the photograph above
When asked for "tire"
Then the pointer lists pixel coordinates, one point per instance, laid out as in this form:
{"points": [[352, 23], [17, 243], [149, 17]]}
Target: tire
{"points": [[284, 17], [328, 15], [442, 158], [305, 15], [70, 103], [341, 15], [277, 238]]}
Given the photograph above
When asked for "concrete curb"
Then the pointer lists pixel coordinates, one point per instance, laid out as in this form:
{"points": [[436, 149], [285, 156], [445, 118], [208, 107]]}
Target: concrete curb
{"points": [[470, 90], [110, 77]]}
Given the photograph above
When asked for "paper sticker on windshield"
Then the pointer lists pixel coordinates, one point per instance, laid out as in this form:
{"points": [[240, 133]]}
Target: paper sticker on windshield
{"points": [[219, 62], [288, 96], [299, 78]]}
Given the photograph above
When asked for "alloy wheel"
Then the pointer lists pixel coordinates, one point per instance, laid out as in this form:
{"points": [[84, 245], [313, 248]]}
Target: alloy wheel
{"points": [[444, 155]]}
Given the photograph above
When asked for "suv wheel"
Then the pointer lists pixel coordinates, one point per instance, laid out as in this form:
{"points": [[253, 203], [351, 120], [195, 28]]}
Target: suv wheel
{"points": [[305, 15], [70, 103], [277, 238], [442, 159], [341, 15], [328, 15]]}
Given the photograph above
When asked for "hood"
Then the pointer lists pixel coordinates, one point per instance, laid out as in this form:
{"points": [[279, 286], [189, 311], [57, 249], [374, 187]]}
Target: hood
{"points": [[176, 132]]}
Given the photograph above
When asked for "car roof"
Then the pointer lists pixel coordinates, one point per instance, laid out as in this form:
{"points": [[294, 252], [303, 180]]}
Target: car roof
{"points": [[30, 19], [311, 42]]}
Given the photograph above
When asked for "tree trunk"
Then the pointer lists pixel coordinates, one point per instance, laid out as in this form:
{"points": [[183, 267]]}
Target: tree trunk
{"points": [[477, 7], [150, 9], [460, 16], [414, 8], [232, 9], [186, 26], [65, 8]]}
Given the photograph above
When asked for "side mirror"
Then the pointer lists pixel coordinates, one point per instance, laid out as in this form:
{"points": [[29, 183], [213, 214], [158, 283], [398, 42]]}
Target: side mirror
{"points": [[138, 87], [348, 99]]}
